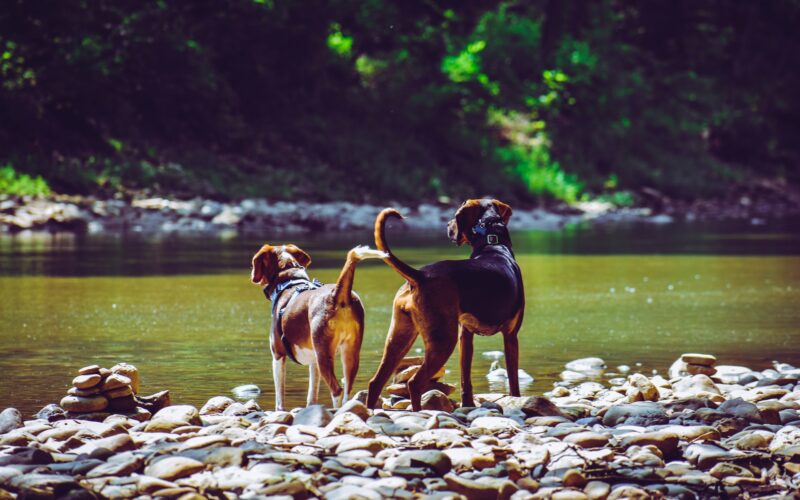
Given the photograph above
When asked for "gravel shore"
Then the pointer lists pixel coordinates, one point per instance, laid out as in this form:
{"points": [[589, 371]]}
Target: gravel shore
{"points": [[707, 431]]}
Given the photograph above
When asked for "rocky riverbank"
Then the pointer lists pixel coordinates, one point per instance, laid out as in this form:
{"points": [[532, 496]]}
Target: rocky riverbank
{"points": [[724, 431], [163, 215]]}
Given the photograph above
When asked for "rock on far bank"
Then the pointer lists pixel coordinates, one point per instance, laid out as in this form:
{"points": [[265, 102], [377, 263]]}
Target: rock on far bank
{"points": [[163, 215], [640, 436]]}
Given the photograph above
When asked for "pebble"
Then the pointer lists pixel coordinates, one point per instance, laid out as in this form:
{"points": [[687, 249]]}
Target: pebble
{"points": [[246, 391], [666, 442], [88, 370], [693, 369], [129, 371], [314, 416], [699, 359], [84, 393], [435, 460], [171, 468], [80, 404], [86, 381], [346, 423], [116, 381], [179, 413], [10, 419], [597, 490], [475, 490], [355, 407], [586, 365], [641, 388], [436, 400], [587, 439], [119, 392], [696, 385], [216, 405], [642, 413]]}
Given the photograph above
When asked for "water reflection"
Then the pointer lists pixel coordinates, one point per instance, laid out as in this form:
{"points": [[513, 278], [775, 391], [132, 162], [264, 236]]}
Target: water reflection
{"points": [[183, 310]]}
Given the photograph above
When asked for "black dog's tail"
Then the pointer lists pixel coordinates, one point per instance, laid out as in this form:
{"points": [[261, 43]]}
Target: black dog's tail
{"points": [[413, 276]]}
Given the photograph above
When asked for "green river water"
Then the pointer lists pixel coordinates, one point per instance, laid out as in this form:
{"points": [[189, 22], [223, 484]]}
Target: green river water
{"points": [[182, 309]]}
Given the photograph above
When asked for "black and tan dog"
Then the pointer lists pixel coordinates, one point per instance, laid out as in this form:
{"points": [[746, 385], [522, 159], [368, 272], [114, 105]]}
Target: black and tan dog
{"points": [[311, 322], [455, 299]]}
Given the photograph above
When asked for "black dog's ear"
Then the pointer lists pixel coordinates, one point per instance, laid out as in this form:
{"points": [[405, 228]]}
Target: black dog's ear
{"points": [[503, 209], [466, 216], [300, 256]]}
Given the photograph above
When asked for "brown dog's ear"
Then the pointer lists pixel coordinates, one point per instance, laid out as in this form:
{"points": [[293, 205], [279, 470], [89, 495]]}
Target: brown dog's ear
{"points": [[466, 216], [503, 209], [300, 256], [263, 265]]}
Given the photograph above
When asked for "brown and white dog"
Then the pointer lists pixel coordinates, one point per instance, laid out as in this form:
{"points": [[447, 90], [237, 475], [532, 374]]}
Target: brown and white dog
{"points": [[311, 322], [455, 299]]}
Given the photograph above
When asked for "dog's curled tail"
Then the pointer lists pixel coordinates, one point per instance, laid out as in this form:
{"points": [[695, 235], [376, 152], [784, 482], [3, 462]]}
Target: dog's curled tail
{"points": [[344, 285], [413, 276]]}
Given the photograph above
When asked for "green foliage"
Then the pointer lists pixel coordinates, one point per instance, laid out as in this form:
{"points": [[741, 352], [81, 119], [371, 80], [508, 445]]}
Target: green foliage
{"points": [[15, 183], [415, 99], [540, 174], [338, 42]]}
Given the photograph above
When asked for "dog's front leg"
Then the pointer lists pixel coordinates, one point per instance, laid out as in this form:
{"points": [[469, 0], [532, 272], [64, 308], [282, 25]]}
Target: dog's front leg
{"points": [[279, 375], [313, 383], [465, 351]]}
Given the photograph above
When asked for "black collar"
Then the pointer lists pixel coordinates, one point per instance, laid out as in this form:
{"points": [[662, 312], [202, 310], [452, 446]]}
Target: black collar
{"points": [[489, 232]]}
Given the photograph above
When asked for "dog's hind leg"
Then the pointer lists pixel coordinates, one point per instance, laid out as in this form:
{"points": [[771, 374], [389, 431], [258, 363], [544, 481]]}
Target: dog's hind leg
{"points": [[399, 341], [440, 343], [279, 375], [350, 359], [313, 383], [325, 362], [511, 347]]}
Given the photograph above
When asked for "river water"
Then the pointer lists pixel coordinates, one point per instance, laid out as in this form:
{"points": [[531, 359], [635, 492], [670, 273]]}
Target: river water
{"points": [[182, 309]]}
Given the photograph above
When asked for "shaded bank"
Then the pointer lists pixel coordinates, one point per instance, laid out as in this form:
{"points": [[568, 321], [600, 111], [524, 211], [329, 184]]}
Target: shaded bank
{"points": [[165, 215]]}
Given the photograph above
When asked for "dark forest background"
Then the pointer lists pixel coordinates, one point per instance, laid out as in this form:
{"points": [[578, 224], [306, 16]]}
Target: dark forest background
{"points": [[364, 100]]}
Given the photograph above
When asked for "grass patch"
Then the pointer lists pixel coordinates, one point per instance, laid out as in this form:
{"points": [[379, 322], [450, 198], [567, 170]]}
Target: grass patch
{"points": [[19, 184]]}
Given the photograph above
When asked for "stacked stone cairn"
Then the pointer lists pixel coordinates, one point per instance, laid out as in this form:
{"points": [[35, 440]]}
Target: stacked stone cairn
{"points": [[97, 389], [694, 364]]}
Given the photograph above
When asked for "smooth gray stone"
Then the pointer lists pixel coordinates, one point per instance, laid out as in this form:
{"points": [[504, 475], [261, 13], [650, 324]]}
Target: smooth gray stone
{"points": [[314, 416], [24, 455], [221, 456], [10, 419], [57, 482], [51, 413], [439, 462], [742, 409], [78, 467], [644, 413]]}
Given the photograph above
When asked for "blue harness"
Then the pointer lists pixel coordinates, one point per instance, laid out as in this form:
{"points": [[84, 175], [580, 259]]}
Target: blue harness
{"points": [[301, 285]]}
